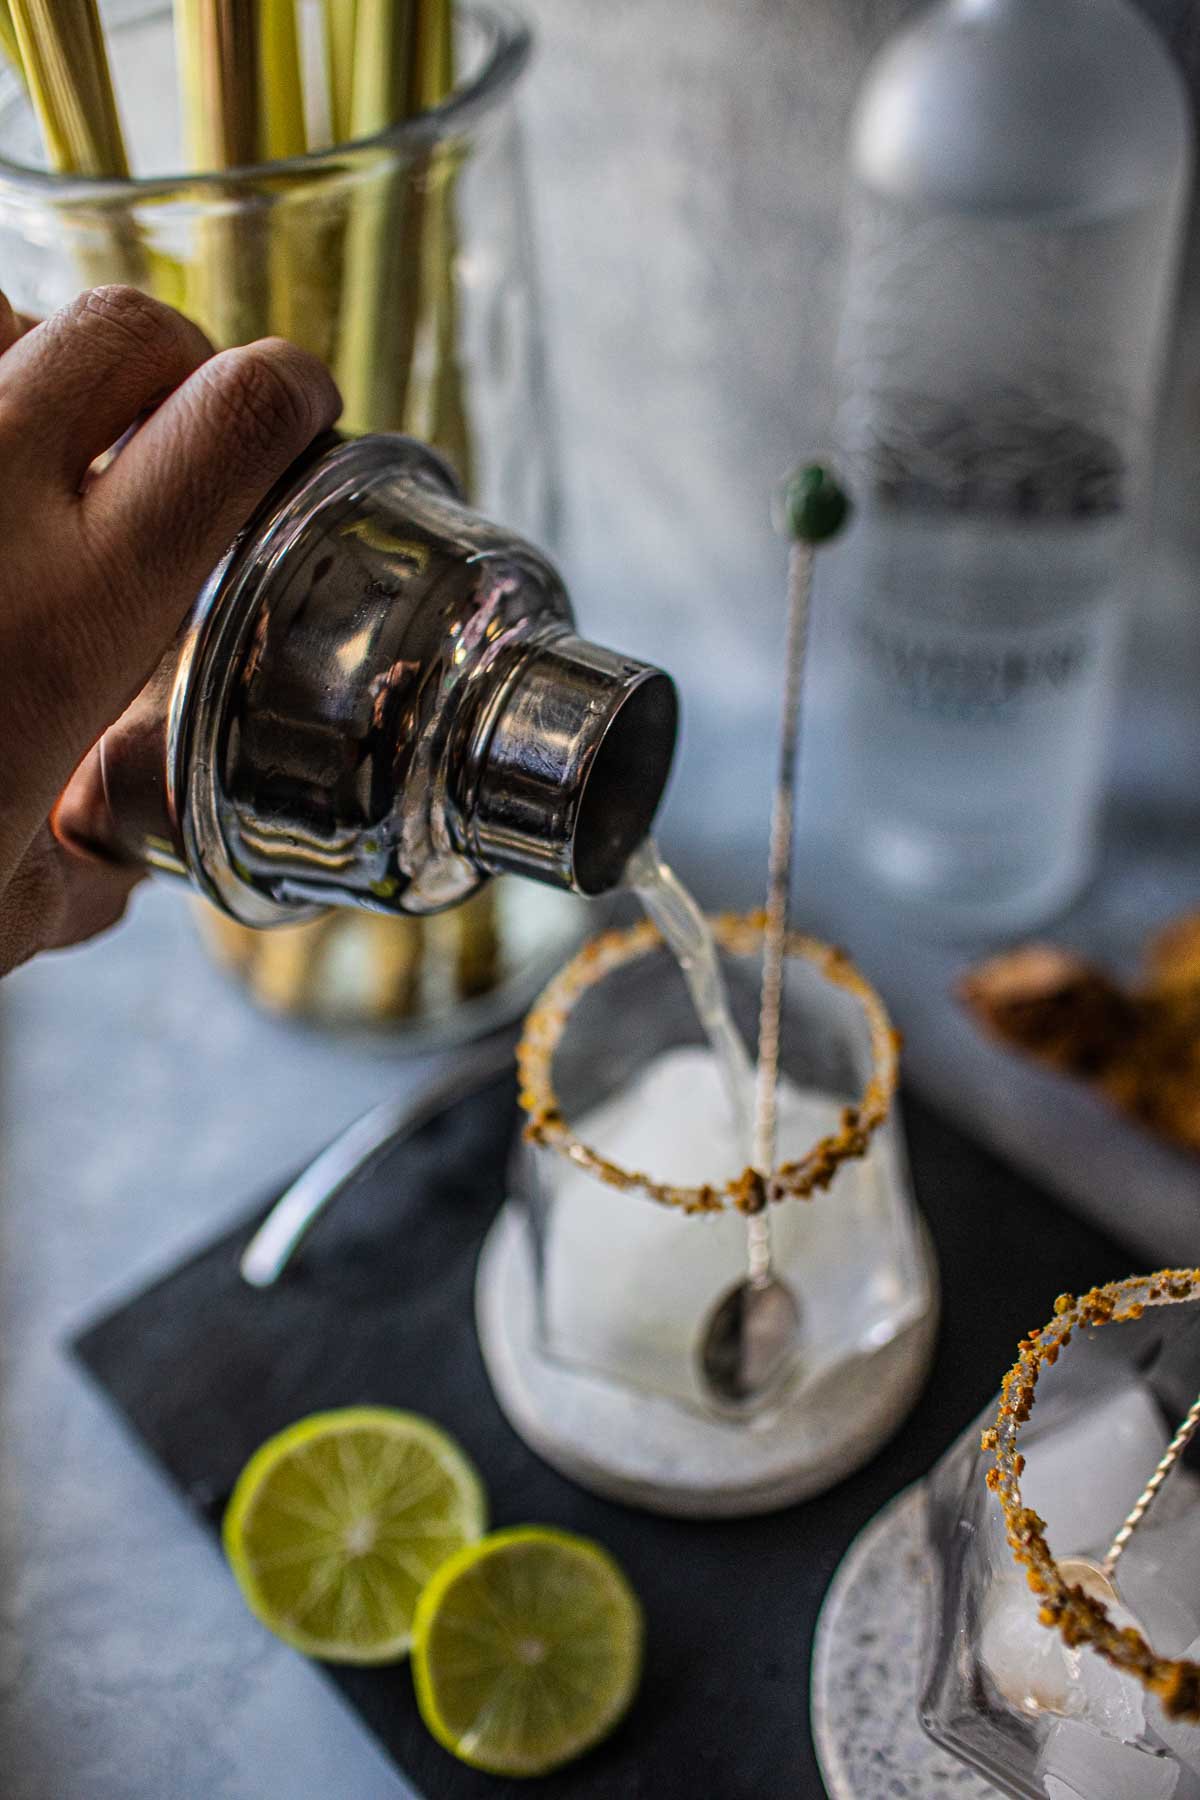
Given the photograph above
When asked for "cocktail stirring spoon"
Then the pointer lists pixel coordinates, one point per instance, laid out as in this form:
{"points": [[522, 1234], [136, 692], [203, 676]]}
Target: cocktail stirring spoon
{"points": [[749, 1339]]}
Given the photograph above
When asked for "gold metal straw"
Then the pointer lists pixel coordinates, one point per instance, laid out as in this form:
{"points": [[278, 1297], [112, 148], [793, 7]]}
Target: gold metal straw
{"points": [[433, 54], [65, 67], [779, 873], [380, 269], [397, 360], [8, 39], [70, 84], [339, 19], [218, 59], [228, 274], [281, 131]]}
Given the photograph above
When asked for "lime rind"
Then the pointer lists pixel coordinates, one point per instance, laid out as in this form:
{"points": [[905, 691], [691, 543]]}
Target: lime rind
{"points": [[337, 1523], [527, 1650]]}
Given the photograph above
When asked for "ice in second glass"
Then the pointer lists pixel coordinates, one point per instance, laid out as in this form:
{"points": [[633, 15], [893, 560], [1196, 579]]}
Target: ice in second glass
{"points": [[1003, 1690]]}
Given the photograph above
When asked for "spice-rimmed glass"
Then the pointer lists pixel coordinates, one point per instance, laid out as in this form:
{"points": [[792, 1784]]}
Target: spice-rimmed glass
{"points": [[633, 1227], [1054, 1689]]}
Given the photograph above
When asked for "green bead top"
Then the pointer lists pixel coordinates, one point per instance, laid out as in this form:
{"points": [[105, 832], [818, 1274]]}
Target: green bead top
{"points": [[815, 505]]}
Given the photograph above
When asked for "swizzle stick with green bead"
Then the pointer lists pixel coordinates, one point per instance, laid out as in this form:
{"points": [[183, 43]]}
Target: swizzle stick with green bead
{"points": [[748, 1341]]}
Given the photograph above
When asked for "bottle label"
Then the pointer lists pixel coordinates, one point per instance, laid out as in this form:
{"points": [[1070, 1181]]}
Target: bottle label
{"points": [[984, 675], [996, 366], [975, 622], [971, 713]]}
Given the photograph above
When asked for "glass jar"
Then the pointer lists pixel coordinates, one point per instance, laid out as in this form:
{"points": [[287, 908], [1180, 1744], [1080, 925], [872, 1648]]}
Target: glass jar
{"points": [[624, 1223], [1038, 1715], [404, 262]]}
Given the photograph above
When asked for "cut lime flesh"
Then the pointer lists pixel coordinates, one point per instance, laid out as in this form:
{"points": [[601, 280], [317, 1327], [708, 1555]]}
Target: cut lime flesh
{"points": [[337, 1524], [527, 1650]]}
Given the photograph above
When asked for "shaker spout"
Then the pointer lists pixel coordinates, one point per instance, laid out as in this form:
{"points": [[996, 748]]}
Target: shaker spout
{"points": [[566, 773]]}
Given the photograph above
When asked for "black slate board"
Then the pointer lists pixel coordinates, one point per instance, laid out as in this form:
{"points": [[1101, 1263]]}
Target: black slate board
{"points": [[379, 1309]]}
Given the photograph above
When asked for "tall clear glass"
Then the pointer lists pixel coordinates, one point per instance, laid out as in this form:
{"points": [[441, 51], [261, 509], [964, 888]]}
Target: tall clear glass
{"points": [[405, 262]]}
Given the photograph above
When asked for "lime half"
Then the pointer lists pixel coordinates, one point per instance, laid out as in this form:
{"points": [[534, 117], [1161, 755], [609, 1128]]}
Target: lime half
{"points": [[337, 1524], [527, 1649]]}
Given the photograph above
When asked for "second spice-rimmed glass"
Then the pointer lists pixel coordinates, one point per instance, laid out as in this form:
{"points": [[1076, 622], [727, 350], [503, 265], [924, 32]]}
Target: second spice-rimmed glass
{"points": [[1035, 1676]]}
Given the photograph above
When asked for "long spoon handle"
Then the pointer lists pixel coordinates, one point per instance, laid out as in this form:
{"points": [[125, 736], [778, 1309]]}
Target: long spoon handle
{"points": [[779, 871], [1150, 1492]]}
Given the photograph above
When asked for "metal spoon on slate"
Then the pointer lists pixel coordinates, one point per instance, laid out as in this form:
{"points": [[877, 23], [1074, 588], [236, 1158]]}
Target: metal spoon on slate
{"points": [[749, 1341], [352, 1153]]}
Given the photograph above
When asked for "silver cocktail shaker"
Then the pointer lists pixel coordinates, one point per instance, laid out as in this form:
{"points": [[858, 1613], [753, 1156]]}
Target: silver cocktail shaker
{"points": [[378, 700]]}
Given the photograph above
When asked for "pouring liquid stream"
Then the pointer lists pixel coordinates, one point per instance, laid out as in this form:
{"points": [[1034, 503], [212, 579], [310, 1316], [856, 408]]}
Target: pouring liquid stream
{"points": [[689, 938], [746, 1341]]}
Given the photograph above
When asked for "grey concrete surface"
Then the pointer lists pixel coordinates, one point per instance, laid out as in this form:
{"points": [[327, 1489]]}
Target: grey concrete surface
{"points": [[143, 1106]]}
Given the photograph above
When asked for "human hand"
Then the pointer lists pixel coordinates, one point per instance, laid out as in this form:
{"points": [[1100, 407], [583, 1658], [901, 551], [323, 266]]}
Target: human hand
{"points": [[99, 570]]}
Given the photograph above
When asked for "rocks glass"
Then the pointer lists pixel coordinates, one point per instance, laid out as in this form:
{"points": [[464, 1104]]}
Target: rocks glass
{"points": [[1098, 1704], [623, 1233]]}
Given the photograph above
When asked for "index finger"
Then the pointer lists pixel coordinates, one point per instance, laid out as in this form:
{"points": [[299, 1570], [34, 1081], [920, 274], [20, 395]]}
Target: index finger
{"points": [[13, 324], [160, 518]]}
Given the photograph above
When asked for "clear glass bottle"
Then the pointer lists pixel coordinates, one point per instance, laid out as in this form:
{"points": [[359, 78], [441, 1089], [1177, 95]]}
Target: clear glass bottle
{"points": [[1018, 175]]}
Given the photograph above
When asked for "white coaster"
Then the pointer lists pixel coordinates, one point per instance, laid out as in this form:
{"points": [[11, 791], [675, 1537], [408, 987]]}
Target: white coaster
{"points": [[867, 1665], [651, 1452]]}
